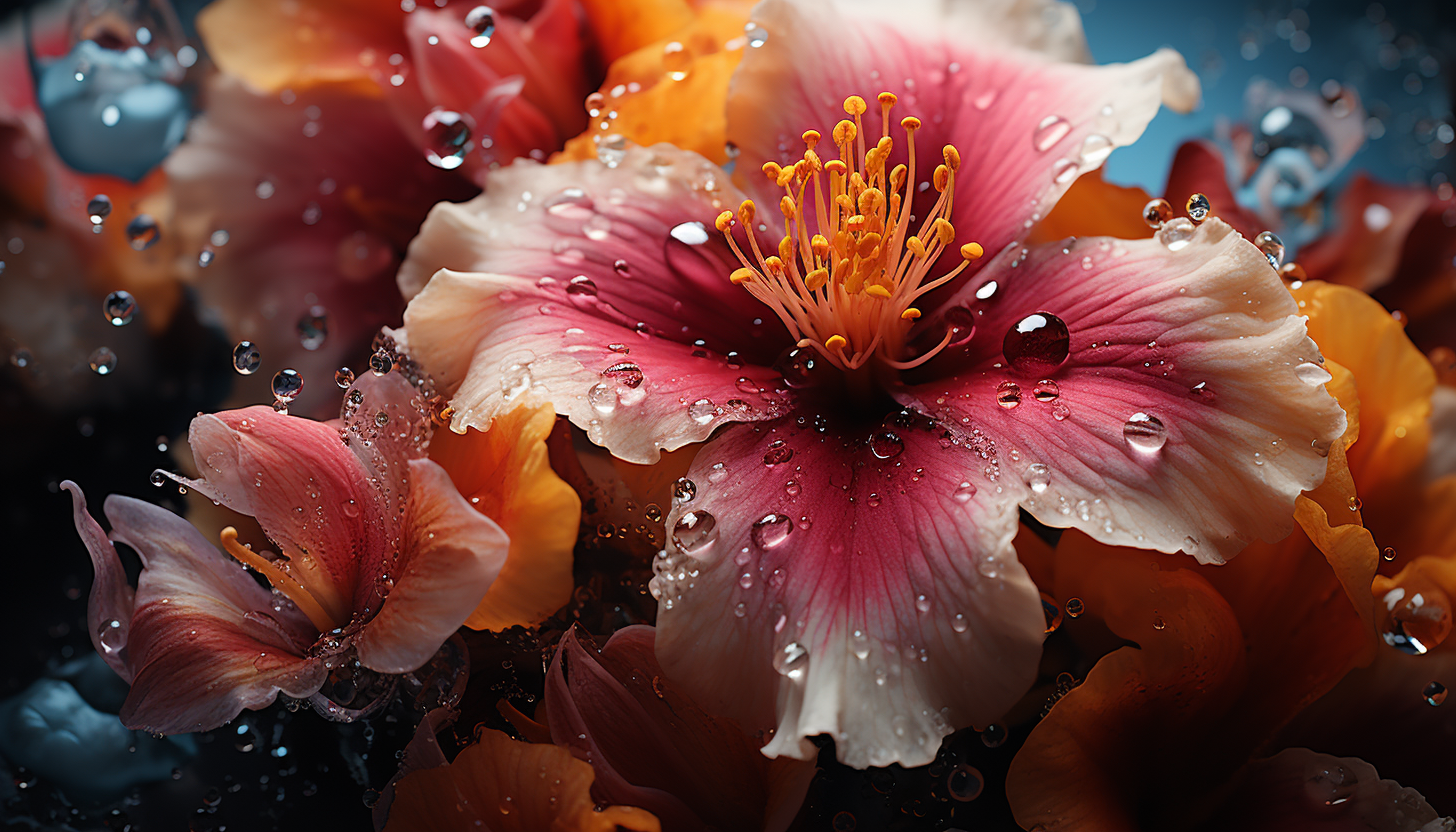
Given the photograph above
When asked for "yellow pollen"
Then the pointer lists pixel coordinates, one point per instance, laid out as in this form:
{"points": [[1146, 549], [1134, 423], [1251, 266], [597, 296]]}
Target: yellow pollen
{"points": [[851, 262], [302, 581]]}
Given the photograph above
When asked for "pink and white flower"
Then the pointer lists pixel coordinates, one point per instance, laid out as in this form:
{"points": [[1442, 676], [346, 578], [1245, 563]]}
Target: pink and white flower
{"points": [[874, 414]]}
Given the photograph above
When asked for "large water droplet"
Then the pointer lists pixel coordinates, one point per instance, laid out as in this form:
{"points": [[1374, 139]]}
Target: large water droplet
{"points": [[755, 34], [792, 660], [481, 21], [142, 232], [1008, 394], [571, 204], [344, 377], [1038, 477], [885, 444], [110, 636], [1176, 233], [581, 287], [447, 138], [1157, 212], [1049, 131], [965, 782], [1144, 432], [1312, 374], [246, 358], [676, 61], [1198, 207], [287, 384], [603, 398], [1273, 247], [312, 328], [684, 490], [1095, 149], [1417, 617], [690, 233], [119, 307], [1046, 390], [380, 363], [770, 530], [778, 453], [1037, 344], [694, 532], [702, 411]]}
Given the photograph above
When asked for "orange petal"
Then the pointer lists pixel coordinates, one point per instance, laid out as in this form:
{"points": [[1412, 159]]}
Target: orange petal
{"points": [[275, 44], [504, 473], [508, 786], [620, 28], [1365, 248], [1095, 207]]}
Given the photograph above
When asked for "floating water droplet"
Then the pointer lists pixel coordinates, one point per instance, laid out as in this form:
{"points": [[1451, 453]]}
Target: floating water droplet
{"points": [[1312, 374], [142, 232], [1046, 390], [1038, 343], [344, 377], [965, 783], [1064, 171], [695, 531], [1008, 394], [778, 453], [1435, 694], [684, 490], [886, 444], [1144, 432], [770, 530], [1198, 207], [1417, 617], [1049, 131], [1177, 233], [481, 21], [380, 363], [158, 479], [287, 384], [1038, 477], [1074, 607], [1388, 553], [792, 660], [246, 358], [1273, 247], [119, 307], [103, 361], [622, 268], [98, 209], [312, 328], [1157, 212], [447, 138], [676, 61], [994, 736]]}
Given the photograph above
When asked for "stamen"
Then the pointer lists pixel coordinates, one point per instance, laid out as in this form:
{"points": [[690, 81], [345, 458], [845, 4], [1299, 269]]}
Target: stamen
{"points": [[848, 268], [311, 592]]}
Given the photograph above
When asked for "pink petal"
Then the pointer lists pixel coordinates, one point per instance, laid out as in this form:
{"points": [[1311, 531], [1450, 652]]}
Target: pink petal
{"points": [[452, 555], [197, 655], [1025, 124], [109, 608], [654, 748], [616, 350], [1204, 339], [851, 579]]}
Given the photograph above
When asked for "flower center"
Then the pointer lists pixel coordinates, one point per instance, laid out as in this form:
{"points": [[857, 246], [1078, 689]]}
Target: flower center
{"points": [[302, 581], [848, 271]]}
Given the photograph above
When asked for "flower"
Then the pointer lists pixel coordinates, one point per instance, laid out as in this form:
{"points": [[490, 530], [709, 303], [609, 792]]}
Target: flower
{"points": [[841, 558], [382, 558]]}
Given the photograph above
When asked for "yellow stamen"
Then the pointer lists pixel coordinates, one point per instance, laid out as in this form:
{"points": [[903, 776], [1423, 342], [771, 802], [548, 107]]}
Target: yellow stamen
{"points": [[310, 589], [849, 265]]}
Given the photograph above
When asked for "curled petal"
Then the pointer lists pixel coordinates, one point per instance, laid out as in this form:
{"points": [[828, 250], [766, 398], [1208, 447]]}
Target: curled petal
{"points": [[112, 601], [1186, 407], [858, 582], [508, 786], [452, 555]]}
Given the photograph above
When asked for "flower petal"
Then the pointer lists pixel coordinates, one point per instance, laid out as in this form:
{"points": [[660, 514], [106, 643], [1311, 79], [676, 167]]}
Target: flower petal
{"points": [[508, 786], [653, 747], [1205, 340], [197, 654], [849, 580], [112, 599], [1198, 168], [505, 475], [1025, 125], [453, 553]]}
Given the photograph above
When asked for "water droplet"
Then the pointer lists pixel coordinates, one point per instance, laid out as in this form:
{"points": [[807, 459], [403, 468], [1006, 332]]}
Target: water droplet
{"points": [[312, 328], [110, 636], [1052, 612], [119, 307], [770, 530], [885, 444], [1064, 171], [994, 736], [594, 104], [965, 782], [1157, 212], [481, 21], [626, 374], [142, 232], [1038, 477], [380, 363], [1388, 553], [778, 453], [792, 660], [1331, 785], [1312, 374], [1273, 247], [1417, 617], [690, 233], [1046, 390], [987, 290], [859, 644], [1198, 207], [344, 377], [1176, 233], [676, 61], [246, 358], [447, 138], [1435, 694], [612, 149], [103, 361], [1008, 394], [1095, 149], [962, 325], [1074, 607], [98, 209], [581, 286], [684, 490], [702, 411], [1060, 411], [695, 531], [1049, 131], [964, 492], [740, 610], [287, 384], [1144, 432], [757, 36], [622, 268], [922, 603], [158, 479], [1038, 343]]}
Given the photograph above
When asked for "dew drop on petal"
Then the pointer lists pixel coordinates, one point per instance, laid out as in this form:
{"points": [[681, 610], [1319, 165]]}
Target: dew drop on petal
{"points": [[1049, 131], [791, 660], [380, 363], [1008, 394], [964, 492], [625, 373], [695, 532], [246, 358], [603, 398], [690, 233], [481, 21], [859, 644], [684, 490], [701, 411], [1273, 247], [1312, 374], [1144, 433], [287, 384], [1038, 477], [1060, 411], [1038, 343], [119, 307], [1176, 233], [1046, 390], [778, 453], [344, 377], [886, 444], [1417, 617], [770, 530]]}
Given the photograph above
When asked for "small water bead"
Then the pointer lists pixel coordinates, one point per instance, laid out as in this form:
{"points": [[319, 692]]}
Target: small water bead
{"points": [[1145, 433], [676, 61], [103, 361], [1037, 344], [1273, 248], [205, 257], [1060, 412], [1388, 553], [994, 736], [755, 34], [381, 418], [1434, 694], [1198, 207], [98, 209], [602, 398], [581, 286], [246, 358], [1008, 394], [965, 783], [792, 660], [312, 328], [987, 290], [612, 149], [287, 384], [886, 444], [1312, 374], [622, 268], [1049, 131], [1177, 233], [158, 479], [1038, 477], [844, 822], [1157, 212], [778, 453], [1293, 272], [964, 492], [343, 377], [380, 363], [684, 490], [1353, 503], [1046, 390], [142, 232], [1074, 607], [119, 307], [481, 21], [770, 530], [594, 104], [447, 138], [695, 532]]}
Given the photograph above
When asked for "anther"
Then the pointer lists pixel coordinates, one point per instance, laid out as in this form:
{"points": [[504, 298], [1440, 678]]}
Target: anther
{"points": [[910, 314], [972, 251], [745, 212], [952, 157], [741, 276], [724, 221], [811, 138], [910, 123], [855, 106], [835, 342]]}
